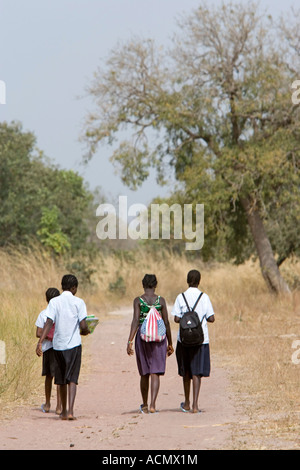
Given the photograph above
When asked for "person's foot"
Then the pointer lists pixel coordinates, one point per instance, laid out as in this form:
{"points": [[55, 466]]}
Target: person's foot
{"points": [[58, 410], [184, 407], [63, 416], [45, 408], [152, 409], [196, 410], [143, 408]]}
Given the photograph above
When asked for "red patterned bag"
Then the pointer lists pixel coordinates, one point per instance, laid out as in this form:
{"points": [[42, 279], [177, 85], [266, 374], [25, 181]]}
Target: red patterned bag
{"points": [[153, 328], [51, 333]]}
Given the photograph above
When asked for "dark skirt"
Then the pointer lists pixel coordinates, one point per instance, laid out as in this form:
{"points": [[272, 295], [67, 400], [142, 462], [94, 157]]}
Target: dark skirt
{"points": [[48, 363], [193, 361], [150, 357]]}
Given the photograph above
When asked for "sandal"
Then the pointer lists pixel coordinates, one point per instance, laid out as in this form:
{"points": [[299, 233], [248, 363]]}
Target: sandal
{"points": [[183, 409], [144, 409]]}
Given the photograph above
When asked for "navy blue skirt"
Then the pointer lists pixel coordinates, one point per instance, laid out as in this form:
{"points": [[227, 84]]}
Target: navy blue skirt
{"points": [[193, 361], [150, 357]]}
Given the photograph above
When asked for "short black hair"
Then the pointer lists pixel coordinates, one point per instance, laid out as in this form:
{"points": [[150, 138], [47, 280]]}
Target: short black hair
{"points": [[193, 278], [149, 281], [68, 281], [51, 292]]}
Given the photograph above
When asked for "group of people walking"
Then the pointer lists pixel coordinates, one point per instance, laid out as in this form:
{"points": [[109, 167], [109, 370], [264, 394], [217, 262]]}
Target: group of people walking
{"points": [[61, 324], [193, 362]]}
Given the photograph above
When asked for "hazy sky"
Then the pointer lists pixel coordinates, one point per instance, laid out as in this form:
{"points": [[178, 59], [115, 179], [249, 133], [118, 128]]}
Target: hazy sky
{"points": [[49, 50]]}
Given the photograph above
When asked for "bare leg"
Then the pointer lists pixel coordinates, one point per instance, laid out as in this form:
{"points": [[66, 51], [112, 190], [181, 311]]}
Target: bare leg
{"points": [[155, 382], [72, 388], [144, 386], [48, 388], [58, 401], [186, 389], [63, 396], [196, 391]]}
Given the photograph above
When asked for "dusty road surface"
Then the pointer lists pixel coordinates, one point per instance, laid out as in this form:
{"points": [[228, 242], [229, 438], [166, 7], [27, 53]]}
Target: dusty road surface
{"points": [[108, 400]]}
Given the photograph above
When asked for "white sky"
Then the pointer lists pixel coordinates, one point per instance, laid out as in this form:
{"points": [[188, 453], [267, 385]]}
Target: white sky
{"points": [[49, 50]]}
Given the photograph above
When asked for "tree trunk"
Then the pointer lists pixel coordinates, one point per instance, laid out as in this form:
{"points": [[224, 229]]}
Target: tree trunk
{"points": [[268, 264]]}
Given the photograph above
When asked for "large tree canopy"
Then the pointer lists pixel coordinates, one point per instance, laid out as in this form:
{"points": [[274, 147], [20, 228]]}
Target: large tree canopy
{"points": [[216, 107]]}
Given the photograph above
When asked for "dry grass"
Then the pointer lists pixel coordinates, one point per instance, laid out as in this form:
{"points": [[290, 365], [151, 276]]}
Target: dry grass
{"points": [[22, 286], [253, 335]]}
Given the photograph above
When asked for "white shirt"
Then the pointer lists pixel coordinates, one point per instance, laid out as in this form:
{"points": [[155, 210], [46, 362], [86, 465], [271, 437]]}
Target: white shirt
{"points": [[66, 311], [41, 320], [204, 308]]}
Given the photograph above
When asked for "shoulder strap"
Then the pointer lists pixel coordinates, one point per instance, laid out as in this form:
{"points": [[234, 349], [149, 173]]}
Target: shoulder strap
{"points": [[195, 302], [186, 302], [148, 305]]}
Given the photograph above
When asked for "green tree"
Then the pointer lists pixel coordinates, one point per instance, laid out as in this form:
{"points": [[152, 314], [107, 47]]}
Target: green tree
{"points": [[217, 108], [37, 199], [50, 233], [15, 209]]}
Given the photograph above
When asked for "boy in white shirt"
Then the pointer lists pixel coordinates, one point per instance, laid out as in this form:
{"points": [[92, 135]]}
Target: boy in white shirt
{"points": [[193, 362], [69, 315]]}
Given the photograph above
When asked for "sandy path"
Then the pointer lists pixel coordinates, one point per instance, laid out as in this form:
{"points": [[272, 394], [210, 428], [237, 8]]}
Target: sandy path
{"points": [[107, 403]]}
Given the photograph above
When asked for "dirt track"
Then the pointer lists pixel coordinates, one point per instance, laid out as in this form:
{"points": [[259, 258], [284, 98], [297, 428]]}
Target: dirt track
{"points": [[108, 400]]}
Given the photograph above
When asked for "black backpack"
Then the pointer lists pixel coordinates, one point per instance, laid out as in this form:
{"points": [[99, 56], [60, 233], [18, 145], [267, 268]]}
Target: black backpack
{"points": [[190, 327]]}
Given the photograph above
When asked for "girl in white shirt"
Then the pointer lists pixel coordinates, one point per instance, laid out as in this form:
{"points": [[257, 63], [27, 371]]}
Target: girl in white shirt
{"points": [[193, 362]]}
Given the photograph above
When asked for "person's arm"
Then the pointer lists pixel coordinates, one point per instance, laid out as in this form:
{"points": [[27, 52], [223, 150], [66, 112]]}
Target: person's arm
{"points": [[134, 325], [176, 310], [82, 314], [39, 332], [165, 318], [40, 323], [84, 329], [210, 315], [45, 332]]}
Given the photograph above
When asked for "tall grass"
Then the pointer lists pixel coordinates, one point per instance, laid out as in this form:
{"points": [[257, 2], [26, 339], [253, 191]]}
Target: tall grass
{"points": [[22, 296], [253, 335]]}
